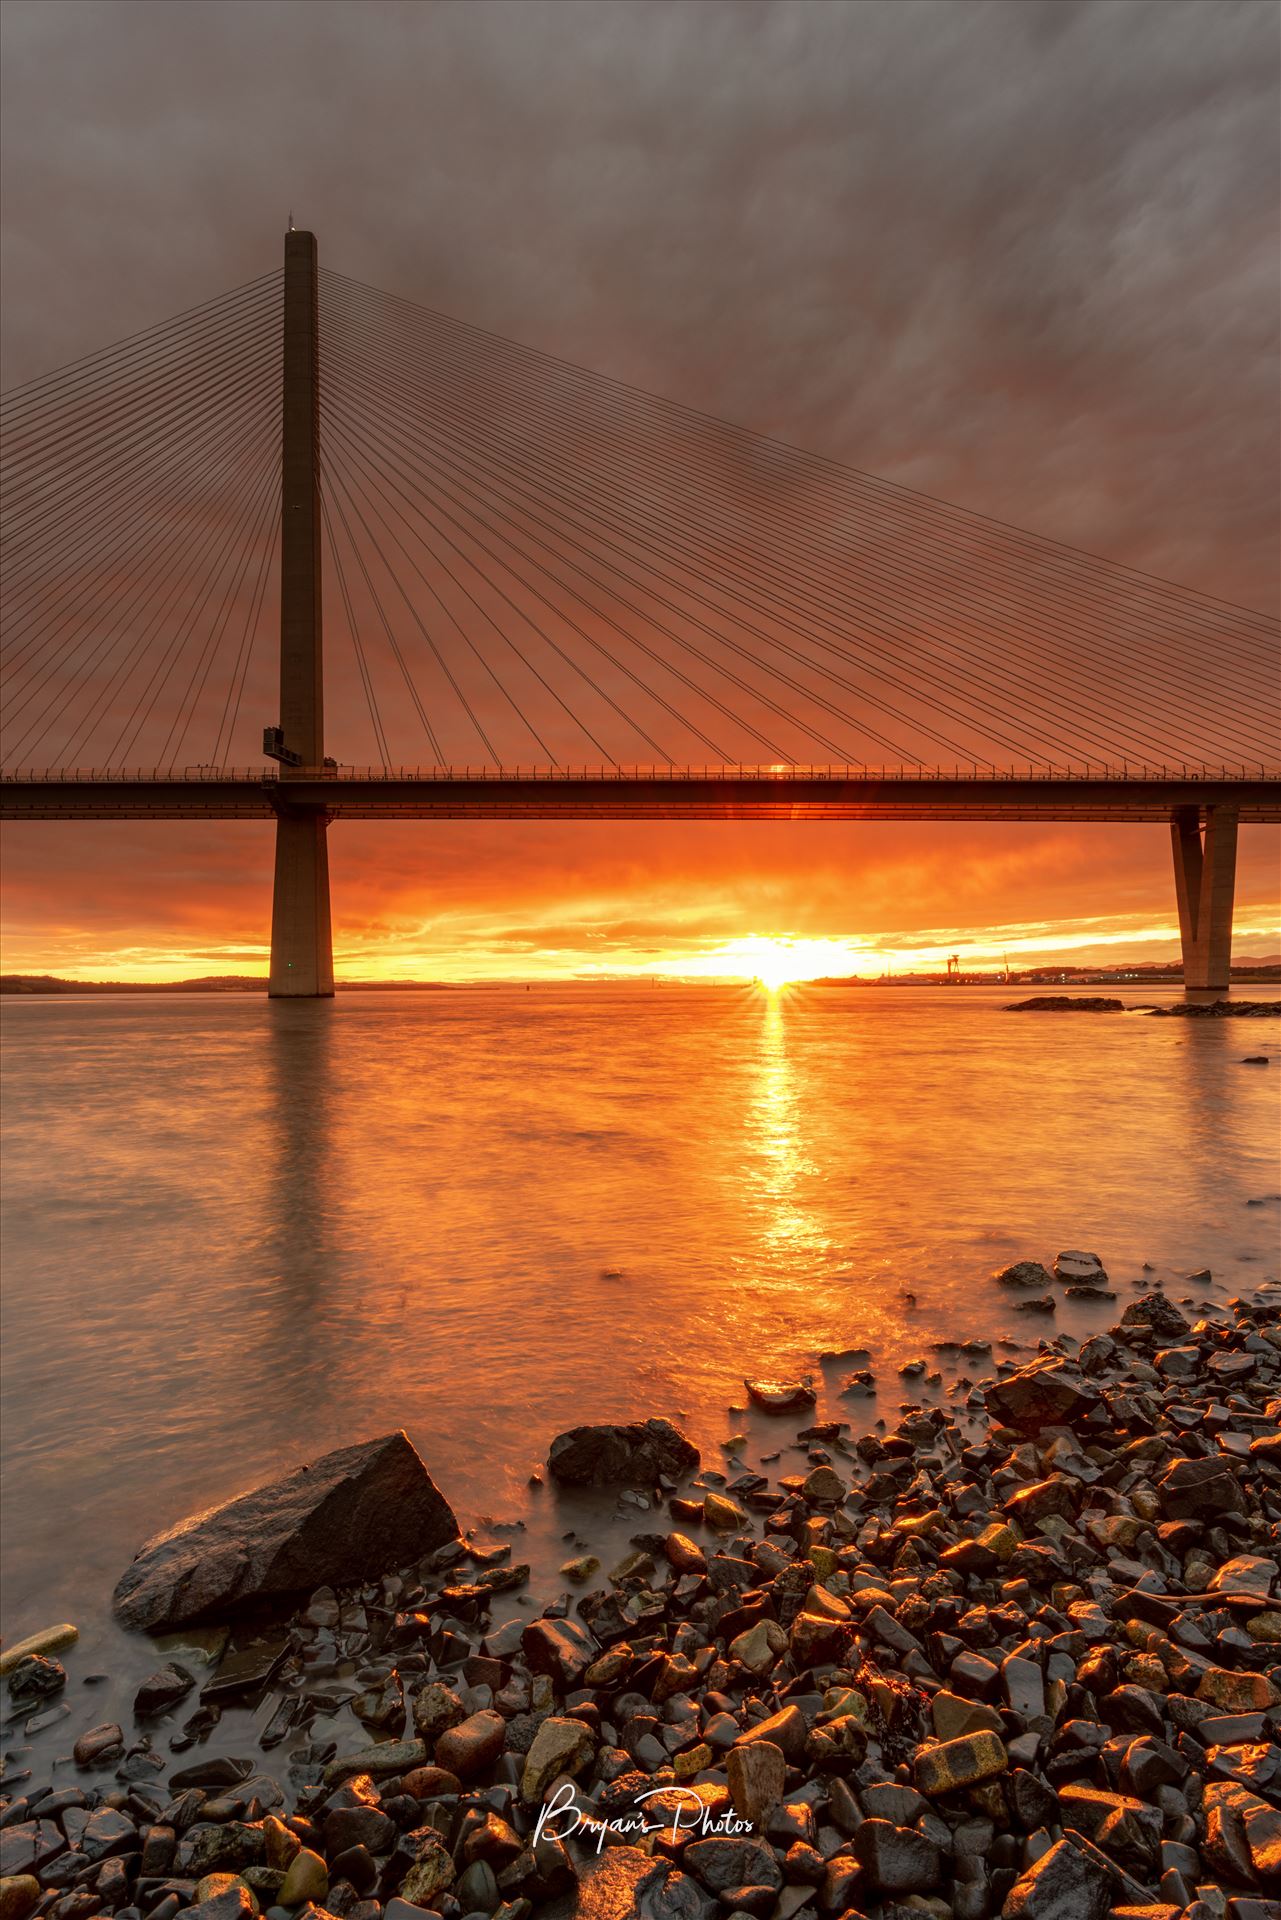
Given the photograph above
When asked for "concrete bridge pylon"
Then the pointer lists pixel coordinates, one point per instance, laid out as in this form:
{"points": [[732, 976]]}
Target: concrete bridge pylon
{"points": [[302, 965], [1204, 881]]}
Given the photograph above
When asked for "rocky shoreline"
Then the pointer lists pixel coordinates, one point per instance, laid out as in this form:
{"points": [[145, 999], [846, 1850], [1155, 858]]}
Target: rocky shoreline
{"points": [[1018, 1656], [1178, 1010]]}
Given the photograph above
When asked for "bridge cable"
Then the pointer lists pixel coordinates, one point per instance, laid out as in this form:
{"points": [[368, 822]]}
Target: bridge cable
{"points": [[737, 589], [842, 472]]}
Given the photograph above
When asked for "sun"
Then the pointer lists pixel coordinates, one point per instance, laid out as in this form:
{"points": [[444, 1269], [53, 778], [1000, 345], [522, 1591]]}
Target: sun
{"points": [[782, 963], [775, 970]]}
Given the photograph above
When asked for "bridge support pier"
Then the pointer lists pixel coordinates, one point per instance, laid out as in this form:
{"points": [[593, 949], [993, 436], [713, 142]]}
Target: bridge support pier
{"points": [[302, 960], [1204, 879], [302, 964]]}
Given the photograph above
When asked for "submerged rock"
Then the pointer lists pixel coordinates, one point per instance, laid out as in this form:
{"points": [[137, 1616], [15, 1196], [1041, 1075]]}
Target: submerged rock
{"points": [[1218, 1010], [632, 1454], [1080, 1269], [34, 1679], [1066, 1003], [341, 1518], [1024, 1273], [780, 1396]]}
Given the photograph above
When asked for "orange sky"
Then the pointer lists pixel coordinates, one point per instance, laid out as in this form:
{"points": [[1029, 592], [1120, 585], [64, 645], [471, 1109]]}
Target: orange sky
{"points": [[538, 900]]}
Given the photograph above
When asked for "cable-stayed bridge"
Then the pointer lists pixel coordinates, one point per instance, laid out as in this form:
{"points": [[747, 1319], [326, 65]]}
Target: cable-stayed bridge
{"points": [[547, 593]]}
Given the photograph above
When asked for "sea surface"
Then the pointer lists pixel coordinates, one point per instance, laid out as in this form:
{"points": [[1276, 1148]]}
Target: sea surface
{"points": [[237, 1233]]}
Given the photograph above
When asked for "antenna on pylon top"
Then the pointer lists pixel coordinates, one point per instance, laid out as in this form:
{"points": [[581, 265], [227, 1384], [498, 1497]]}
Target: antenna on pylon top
{"points": [[290, 227]]}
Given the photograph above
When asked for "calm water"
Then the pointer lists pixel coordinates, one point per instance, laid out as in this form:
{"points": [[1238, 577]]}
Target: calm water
{"points": [[237, 1233]]}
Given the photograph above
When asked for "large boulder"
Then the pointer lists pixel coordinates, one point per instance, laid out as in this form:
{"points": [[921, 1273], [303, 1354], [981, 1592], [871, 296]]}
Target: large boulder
{"points": [[357, 1512], [632, 1455], [1048, 1393]]}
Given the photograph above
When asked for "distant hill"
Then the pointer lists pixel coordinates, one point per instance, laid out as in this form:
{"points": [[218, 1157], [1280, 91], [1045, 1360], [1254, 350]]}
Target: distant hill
{"points": [[51, 984]]}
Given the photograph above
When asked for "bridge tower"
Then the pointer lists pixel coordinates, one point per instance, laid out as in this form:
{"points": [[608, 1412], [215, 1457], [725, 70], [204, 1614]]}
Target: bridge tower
{"points": [[302, 964], [1204, 880]]}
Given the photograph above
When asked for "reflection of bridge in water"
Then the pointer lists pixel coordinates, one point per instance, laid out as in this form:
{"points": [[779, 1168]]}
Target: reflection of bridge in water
{"points": [[546, 566]]}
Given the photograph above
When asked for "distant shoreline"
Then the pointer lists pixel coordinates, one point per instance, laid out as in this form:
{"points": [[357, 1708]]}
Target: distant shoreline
{"points": [[53, 986]]}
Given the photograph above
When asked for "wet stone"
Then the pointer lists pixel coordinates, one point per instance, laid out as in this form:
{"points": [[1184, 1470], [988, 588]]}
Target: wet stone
{"points": [[1065, 1883], [722, 1863], [897, 1859], [163, 1689]]}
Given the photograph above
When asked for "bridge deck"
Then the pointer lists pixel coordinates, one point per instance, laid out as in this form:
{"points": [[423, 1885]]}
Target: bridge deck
{"points": [[656, 794]]}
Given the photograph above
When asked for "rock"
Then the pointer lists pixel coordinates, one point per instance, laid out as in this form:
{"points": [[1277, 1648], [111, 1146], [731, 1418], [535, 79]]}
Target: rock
{"points": [[432, 1871], [1066, 1883], [581, 1569], [48, 1640], [560, 1648], [473, 1745], [107, 1832], [684, 1554], [816, 1640], [1246, 1573], [35, 1678], [163, 1689], [388, 1758], [1080, 1270], [726, 1516], [1237, 1692], [630, 1885], [1243, 1833], [1159, 1315], [780, 1396], [824, 1487], [306, 1878], [1066, 1003], [1200, 1489], [1024, 1273], [559, 1746], [897, 1859], [759, 1647], [345, 1827], [340, 1519], [429, 1783], [756, 1776], [437, 1707], [637, 1454], [959, 1763], [1047, 1393], [235, 1902], [955, 1717], [18, 1894], [721, 1863], [786, 1730], [99, 1745]]}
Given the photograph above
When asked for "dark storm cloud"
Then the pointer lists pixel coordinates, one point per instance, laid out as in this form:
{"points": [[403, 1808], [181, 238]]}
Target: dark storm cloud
{"points": [[1024, 256]]}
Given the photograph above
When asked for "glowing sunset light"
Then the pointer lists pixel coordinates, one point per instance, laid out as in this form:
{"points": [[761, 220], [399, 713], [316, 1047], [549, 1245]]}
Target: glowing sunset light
{"points": [[780, 962]]}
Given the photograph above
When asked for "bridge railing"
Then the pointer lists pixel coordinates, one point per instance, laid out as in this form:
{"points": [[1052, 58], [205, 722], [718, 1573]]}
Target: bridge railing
{"points": [[975, 771]]}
